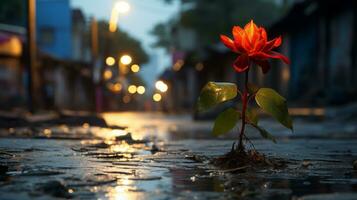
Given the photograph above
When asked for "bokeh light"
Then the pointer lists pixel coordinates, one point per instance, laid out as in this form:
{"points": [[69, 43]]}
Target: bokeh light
{"points": [[141, 89], [135, 68], [199, 67], [122, 7], [110, 61], [126, 59], [108, 74], [157, 97], [132, 89], [161, 86], [178, 65], [126, 99], [114, 87]]}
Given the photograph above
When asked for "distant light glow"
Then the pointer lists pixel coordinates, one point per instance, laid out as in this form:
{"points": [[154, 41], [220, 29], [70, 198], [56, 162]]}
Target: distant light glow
{"points": [[108, 74], [161, 86], [126, 59], [132, 89], [141, 89], [126, 99], [157, 97], [178, 65], [135, 68], [120, 7], [199, 66], [110, 61], [116, 87]]}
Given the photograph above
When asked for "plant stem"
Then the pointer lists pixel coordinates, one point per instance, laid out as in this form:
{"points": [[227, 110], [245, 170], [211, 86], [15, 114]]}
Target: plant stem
{"points": [[244, 108]]}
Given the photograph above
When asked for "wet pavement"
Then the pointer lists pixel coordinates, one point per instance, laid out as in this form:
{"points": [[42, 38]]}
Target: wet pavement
{"points": [[167, 157]]}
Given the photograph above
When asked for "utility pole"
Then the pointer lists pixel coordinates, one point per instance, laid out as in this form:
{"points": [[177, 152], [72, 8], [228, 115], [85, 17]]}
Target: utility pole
{"points": [[94, 38], [31, 57], [97, 70]]}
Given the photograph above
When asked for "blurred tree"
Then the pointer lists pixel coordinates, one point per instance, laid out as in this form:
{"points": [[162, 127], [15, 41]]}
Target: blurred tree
{"points": [[162, 32], [13, 12], [119, 43], [210, 19], [135, 79]]}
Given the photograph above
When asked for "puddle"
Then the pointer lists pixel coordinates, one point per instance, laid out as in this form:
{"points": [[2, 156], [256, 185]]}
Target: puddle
{"points": [[102, 163]]}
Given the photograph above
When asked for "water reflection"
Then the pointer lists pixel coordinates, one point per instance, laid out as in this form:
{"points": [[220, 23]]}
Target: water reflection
{"points": [[124, 191], [113, 165]]}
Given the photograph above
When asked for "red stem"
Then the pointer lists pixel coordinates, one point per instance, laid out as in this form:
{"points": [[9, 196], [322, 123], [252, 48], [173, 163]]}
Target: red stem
{"points": [[244, 108]]}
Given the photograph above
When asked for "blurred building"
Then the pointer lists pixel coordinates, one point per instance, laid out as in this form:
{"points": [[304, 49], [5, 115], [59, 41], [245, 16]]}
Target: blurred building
{"points": [[321, 41], [54, 27], [11, 49], [63, 56], [12, 38], [192, 67], [67, 73]]}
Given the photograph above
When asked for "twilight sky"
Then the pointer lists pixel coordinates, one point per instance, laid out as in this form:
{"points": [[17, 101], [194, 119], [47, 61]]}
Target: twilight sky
{"points": [[144, 14]]}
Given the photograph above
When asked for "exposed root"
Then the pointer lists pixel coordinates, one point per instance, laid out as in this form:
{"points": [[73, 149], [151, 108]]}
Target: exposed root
{"points": [[238, 161]]}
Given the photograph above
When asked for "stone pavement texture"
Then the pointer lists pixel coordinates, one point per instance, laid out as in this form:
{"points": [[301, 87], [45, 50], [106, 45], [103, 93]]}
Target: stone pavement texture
{"points": [[167, 157]]}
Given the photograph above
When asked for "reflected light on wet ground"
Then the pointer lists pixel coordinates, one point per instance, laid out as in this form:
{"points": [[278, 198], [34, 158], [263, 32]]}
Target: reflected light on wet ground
{"points": [[155, 125], [159, 160], [125, 190]]}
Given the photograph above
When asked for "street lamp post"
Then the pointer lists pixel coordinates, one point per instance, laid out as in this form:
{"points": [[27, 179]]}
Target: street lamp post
{"points": [[32, 82], [119, 7]]}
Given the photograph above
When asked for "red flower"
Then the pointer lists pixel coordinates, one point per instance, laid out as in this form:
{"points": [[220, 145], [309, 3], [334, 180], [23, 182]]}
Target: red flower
{"points": [[252, 45]]}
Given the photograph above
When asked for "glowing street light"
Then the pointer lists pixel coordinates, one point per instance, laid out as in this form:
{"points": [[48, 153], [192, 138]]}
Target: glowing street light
{"points": [[126, 59], [161, 86], [107, 74], [120, 7], [178, 65], [141, 90], [135, 68], [110, 61], [157, 97], [132, 89], [126, 99], [116, 87]]}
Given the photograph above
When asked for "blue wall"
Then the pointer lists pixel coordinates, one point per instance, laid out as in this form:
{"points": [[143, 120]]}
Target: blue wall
{"points": [[303, 54], [55, 15]]}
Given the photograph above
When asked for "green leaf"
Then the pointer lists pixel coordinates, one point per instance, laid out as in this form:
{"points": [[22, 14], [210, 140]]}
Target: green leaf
{"points": [[215, 93], [225, 121], [264, 133], [252, 116], [274, 104]]}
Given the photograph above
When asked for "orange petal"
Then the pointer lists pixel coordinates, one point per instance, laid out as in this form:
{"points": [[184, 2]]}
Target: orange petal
{"points": [[246, 43], [250, 30], [241, 64], [278, 41], [239, 47], [276, 55], [228, 43], [259, 55], [258, 46], [237, 33], [270, 54], [263, 34]]}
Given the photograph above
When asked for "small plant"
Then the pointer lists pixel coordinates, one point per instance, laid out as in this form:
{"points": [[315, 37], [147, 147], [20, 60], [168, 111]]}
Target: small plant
{"points": [[253, 48]]}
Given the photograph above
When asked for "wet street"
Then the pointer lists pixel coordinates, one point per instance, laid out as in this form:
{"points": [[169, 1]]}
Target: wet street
{"points": [[157, 156]]}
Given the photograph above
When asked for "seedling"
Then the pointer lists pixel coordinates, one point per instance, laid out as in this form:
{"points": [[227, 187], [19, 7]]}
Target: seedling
{"points": [[253, 49]]}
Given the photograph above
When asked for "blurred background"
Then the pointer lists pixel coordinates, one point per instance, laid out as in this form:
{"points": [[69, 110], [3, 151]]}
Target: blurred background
{"points": [[156, 55]]}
